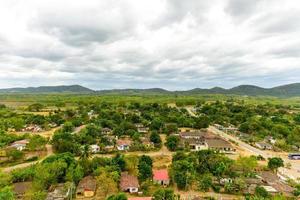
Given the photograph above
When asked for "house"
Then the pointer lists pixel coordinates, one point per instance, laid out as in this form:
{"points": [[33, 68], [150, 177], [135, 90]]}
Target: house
{"points": [[129, 183], [271, 179], [161, 177], [218, 126], [146, 142], [21, 188], [32, 128], [269, 189], [20, 145], [141, 128], [95, 148], [270, 139], [123, 144], [86, 187], [220, 145], [195, 144], [106, 131], [60, 191], [186, 129], [195, 135], [264, 145]]}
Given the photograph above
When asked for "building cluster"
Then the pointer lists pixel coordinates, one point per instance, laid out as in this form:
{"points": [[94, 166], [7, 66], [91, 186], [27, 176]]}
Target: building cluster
{"points": [[197, 140]]}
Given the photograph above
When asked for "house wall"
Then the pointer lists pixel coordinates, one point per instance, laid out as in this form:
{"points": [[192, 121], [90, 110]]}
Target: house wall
{"points": [[89, 193]]}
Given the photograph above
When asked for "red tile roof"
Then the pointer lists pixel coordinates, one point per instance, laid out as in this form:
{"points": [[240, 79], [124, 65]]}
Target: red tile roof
{"points": [[161, 174], [128, 181]]}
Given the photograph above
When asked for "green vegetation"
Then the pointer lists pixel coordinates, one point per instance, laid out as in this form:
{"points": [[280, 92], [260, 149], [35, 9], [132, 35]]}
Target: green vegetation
{"points": [[86, 131]]}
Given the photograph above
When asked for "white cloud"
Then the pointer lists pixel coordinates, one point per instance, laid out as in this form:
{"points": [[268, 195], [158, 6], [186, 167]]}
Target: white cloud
{"points": [[173, 44]]}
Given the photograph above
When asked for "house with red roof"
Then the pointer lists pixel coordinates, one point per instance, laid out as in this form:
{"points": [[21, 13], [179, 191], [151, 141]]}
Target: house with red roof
{"points": [[161, 177]]}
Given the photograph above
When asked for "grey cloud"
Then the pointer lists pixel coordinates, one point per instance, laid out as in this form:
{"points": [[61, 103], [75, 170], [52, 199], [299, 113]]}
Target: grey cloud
{"points": [[228, 43], [242, 9]]}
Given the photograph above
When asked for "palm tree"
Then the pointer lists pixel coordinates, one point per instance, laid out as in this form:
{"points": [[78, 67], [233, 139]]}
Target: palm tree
{"points": [[85, 153]]}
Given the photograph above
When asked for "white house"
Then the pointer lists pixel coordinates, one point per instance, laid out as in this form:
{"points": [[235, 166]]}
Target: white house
{"points": [[123, 144], [95, 148], [20, 145]]}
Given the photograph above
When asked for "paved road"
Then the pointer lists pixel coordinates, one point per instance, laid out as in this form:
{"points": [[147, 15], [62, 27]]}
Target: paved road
{"points": [[293, 172]]}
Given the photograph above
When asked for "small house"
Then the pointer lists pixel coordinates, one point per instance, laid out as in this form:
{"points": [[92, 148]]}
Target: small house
{"points": [[264, 145], [270, 139], [86, 187], [129, 183], [141, 128], [123, 144], [106, 131], [194, 135], [95, 148], [196, 144], [161, 177], [60, 191], [20, 145], [220, 145]]}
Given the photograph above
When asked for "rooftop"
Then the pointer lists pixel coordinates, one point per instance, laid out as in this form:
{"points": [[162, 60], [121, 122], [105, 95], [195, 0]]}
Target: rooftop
{"points": [[128, 181], [161, 174], [88, 183]]}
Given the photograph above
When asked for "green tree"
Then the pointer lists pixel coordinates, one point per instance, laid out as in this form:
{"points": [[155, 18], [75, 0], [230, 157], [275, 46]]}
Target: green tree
{"points": [[36, 107], [163, 194], [120, 196], [205, 182], [172, 142], [261, 192], [14, 154], [6, 193], [274, 163], [36, 142], [246, 164], [145, 171], [155, 138]]}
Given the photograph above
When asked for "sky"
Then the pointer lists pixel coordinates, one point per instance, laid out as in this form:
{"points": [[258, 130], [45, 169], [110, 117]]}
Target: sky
{"points": [[171, 44]]}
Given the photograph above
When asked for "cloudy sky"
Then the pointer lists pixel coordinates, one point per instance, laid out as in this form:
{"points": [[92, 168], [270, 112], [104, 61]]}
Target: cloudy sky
{"points": [[174, 44]]}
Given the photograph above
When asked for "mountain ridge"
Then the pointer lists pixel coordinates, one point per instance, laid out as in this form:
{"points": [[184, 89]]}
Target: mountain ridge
{"points": [[288, 90]]}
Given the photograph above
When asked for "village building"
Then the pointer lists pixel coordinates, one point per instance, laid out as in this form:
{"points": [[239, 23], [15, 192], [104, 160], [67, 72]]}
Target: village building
{"points": [[264, 145], [86, 187], [146, 142], [200, 134], [129, 183], [21, 188], [271, 179], [196, 144], [141, 128], [270, 139], [123, 144], [161, 177], [20, 145], [95, 148], [32, 128], [220, 145], [60, 191], [106, 131], [186, 129]]}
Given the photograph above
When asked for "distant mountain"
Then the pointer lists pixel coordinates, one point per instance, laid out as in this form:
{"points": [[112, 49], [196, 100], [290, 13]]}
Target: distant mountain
{"points": [[290, 90], [49, 89]]}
